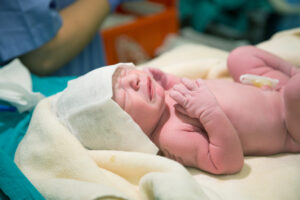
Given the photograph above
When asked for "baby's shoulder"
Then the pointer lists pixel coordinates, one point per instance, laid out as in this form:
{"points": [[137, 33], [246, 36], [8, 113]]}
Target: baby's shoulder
{"points": [[178, 122]]}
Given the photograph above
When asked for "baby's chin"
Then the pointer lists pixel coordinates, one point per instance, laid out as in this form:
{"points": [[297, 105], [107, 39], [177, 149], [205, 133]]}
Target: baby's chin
{"points": [[162, 95]]}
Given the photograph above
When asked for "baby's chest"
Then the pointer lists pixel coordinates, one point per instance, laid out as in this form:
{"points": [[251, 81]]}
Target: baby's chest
{"points": [[177, 131], [258, 120], [181, 124], [247, 104]]}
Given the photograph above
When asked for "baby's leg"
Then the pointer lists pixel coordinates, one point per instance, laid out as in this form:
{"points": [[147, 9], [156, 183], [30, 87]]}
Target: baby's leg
{"points": [[251, 60], [292, 111]]}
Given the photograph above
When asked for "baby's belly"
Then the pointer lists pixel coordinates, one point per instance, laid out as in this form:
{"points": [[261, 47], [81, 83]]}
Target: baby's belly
{"points": [[262, 137], [256, 115]]}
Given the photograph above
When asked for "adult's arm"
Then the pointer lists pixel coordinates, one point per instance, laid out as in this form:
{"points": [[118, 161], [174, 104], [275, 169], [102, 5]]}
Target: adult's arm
{"points": [[81, 21]]}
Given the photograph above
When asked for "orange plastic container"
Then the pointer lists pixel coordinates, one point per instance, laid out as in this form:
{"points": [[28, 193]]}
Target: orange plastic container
{"points": [[137, 41]]}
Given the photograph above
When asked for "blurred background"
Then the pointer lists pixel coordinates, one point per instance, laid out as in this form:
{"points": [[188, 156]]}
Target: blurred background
{"points": [[142, 30]]}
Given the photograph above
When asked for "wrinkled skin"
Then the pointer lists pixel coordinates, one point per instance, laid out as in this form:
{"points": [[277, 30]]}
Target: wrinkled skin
{"points": [[212, 124]]}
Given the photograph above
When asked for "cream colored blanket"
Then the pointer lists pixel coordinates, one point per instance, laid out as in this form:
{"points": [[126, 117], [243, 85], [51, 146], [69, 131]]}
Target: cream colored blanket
{"points": [[60, 168], [262, 178]]}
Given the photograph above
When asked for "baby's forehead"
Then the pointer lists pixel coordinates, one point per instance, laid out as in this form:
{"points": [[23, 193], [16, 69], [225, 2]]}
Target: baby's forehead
{"points": [[119, 73], [123, 71]]}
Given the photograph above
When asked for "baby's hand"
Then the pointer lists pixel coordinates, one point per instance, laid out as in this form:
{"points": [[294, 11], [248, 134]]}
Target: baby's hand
{"points": [[159, 76], [193, 98]]}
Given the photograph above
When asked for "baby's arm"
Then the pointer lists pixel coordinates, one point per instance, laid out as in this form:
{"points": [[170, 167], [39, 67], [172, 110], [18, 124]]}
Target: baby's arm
{"points": [[189, 147], [223, 153], [291, 95], [251, 60]]}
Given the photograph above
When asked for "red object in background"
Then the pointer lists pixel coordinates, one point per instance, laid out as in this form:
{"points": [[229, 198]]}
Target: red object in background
{"points": [[140, 37]]}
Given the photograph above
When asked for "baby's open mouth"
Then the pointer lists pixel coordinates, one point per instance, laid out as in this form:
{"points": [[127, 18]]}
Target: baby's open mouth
{"points": [[150, 90]]}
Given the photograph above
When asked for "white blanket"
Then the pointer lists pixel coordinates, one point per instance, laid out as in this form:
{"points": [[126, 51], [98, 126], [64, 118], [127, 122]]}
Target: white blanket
{"points": [[61, 168], [262, 178]]}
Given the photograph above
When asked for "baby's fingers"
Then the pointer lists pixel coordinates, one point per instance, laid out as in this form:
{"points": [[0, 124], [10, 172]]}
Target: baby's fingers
{"points": [[189, 84], [199, 82], [177, 96], [181, 88], [180, 109], [192, 84]]}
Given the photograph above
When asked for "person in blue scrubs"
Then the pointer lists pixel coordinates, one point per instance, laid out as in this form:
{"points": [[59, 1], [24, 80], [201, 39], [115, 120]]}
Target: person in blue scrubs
{"points": [[54, 37], [50, 37]]}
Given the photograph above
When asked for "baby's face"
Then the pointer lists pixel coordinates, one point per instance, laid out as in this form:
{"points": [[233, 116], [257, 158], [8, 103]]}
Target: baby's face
{"points": [[140, 96]]}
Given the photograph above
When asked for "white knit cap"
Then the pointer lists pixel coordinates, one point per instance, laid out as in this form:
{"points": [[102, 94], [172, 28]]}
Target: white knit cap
{"points": [[86, 108]]}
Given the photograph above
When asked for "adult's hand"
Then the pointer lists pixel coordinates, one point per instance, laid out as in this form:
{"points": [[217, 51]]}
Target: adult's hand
{"points": [[80, 22]]}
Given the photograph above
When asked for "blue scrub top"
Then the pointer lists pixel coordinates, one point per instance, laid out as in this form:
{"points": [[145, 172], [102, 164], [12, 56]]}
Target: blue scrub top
{"points": [[26, 25]]}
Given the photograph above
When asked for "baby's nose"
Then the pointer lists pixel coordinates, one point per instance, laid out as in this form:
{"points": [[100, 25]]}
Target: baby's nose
{"points": [[135, 83]]}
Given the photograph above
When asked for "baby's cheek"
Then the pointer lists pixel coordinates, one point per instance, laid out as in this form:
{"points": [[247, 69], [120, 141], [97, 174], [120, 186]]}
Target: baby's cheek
{"points": [[160, 91]]}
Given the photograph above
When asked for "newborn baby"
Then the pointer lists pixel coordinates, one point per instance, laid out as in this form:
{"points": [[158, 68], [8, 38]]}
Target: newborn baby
{"points": [[212, 124]]}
